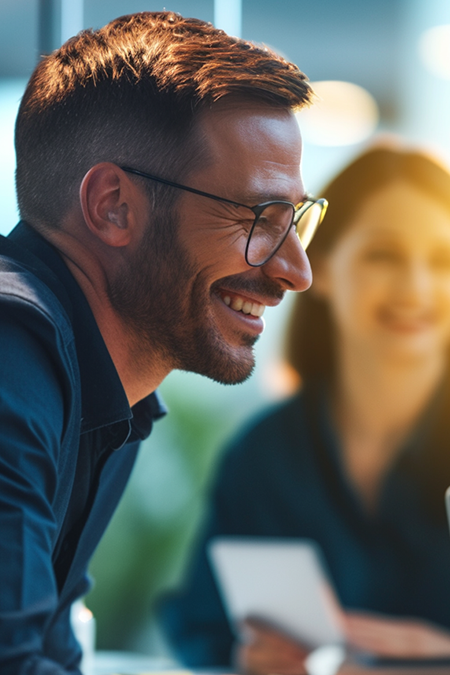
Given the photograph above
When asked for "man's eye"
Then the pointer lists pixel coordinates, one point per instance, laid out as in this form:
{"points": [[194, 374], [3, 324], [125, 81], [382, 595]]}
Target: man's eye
{"points": [[271, 225], [264, 222], [245, 223]]}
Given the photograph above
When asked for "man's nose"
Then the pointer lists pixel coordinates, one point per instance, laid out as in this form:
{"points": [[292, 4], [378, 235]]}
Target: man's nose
{"points": [[290, 265]]}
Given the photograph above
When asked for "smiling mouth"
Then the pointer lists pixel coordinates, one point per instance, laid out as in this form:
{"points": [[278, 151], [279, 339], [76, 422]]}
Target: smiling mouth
{"points": [[239, 304], [408, 321]]}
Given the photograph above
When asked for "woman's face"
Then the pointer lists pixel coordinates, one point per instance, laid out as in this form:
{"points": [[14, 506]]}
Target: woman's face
{"points": [[387, 278]]}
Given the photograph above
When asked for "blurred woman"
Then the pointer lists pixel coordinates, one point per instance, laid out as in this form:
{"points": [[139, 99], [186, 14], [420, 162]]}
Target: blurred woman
{"points": [[359, 459]]}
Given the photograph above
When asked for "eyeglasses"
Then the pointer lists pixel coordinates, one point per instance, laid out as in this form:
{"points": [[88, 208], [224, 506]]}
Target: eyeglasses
{"points": [[272, 220]]}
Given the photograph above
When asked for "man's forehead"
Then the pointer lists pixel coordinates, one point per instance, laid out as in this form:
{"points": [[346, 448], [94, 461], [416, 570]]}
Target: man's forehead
{"points": [[250, 127], [235, 108], [252, 148]]}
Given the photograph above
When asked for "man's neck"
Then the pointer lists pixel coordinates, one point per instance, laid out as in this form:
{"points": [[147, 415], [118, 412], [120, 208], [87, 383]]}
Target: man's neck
{"points": [[140, 376]]}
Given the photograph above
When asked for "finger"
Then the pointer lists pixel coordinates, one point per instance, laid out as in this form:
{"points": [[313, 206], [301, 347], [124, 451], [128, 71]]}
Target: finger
{"points": [[280, 648], [261, 627], [257, 631]]}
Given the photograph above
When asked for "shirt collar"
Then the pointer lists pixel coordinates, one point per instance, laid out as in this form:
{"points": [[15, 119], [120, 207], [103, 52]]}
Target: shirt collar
{"points": [[104, 402]]}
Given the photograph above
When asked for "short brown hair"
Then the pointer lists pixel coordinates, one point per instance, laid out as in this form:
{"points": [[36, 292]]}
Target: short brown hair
{"points": [[129, 93]]}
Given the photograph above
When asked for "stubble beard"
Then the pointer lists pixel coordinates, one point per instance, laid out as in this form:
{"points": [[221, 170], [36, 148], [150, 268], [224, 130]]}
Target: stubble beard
{"points": [[165, 305]]}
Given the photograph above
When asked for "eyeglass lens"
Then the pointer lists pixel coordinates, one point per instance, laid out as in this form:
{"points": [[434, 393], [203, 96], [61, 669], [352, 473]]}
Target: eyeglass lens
{"points": [[268, 230], [306, 222], [273, 224]]}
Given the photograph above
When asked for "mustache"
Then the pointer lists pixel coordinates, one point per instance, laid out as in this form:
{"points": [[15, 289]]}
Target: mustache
{"points": [[268, 288]]}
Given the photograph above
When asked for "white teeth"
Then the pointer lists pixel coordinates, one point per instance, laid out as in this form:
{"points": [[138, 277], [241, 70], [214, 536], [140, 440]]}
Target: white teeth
{"points": [[258, 310], [244, 306], [237, 304]]}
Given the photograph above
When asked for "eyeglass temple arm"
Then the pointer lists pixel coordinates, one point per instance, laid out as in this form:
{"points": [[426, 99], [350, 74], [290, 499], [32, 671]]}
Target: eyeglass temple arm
{"points": [[181, 187]]}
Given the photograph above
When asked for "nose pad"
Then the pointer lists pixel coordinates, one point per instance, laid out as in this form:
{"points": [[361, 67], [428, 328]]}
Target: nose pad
{"points": [[290, 265]]}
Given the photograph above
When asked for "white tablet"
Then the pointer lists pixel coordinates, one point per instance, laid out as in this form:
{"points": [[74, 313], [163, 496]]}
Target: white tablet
{"points": [[282, 582], [447, 504]]}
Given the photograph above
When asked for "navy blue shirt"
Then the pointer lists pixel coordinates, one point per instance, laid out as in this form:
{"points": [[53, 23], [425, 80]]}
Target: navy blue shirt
{"points": [[68, 442], [276, 482]]}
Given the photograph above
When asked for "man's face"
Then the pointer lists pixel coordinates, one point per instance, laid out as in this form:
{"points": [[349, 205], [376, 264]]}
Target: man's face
{"points": [[200, 304]]}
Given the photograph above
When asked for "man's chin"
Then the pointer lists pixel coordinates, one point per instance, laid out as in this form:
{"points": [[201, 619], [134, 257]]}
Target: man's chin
{"points": [[229, 368], [236, 376]]}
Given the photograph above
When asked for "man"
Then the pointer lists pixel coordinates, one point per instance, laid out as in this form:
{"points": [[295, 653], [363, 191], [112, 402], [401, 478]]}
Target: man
{"points": [[126, 265]]}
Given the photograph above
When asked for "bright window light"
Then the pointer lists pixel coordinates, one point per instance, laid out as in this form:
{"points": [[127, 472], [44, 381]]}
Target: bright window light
{"points": [[434, 50], [11, 91], [71, 18], [228, 16]]}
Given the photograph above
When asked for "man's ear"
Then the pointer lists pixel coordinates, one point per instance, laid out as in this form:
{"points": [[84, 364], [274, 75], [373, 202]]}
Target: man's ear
{"points": [[108, 202]]}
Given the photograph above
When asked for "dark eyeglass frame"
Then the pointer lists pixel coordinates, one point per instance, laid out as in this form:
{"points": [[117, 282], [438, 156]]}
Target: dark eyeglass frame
{"points": [[298, 210]]}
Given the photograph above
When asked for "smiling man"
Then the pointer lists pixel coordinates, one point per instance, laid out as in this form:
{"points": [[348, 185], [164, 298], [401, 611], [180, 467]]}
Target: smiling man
{"points": [[158, 181]]}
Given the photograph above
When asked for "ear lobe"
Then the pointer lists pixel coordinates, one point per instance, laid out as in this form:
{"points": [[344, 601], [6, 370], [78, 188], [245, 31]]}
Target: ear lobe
{"points": [[105, 202]]}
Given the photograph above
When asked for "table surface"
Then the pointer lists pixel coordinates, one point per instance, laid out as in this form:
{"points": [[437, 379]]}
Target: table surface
{"points": [[126, 663], [108, 662]]}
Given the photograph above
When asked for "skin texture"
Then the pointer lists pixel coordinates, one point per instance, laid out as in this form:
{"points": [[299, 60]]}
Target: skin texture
{"points": [[255, 157], [158, 298], [387, 281], [265, 650]]}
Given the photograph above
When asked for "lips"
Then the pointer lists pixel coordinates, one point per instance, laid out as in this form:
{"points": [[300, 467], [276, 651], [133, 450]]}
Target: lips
{"points": [[408, 321], [248, 297]]}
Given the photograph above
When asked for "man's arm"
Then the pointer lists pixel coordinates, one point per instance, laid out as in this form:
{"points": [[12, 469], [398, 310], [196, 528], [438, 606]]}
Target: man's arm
{"points": [[31, 429]]}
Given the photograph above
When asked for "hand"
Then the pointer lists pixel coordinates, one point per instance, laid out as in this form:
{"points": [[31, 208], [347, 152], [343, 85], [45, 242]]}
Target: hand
{"points": [[263, 650], [396, 638]]}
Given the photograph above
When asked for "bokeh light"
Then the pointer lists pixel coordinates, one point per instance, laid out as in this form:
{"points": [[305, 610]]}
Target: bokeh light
{"points": [[343, 113], [434, 50]]}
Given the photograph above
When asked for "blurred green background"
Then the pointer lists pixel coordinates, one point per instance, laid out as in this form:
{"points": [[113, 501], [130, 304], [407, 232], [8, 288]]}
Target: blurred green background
{"points": [[145, 548]]}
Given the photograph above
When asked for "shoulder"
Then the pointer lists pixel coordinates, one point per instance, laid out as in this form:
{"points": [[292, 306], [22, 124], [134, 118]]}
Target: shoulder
{"points": [[35, 330], [25, 295]]}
